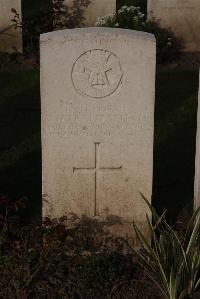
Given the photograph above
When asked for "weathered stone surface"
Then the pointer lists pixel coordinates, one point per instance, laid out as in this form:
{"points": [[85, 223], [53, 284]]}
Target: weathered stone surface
{"points": [[97, 93], [10, 38], [181, 16], [97, 8], [197, 162]]}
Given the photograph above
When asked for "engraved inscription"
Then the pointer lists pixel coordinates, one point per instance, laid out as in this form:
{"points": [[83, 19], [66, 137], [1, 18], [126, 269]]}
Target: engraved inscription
{"points": [[96, 73], [101, 124], [95, 170]]}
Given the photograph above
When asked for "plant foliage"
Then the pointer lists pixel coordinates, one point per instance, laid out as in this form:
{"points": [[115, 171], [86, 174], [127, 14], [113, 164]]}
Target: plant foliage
{"points": [[131, 17], [57, 16], [173, 261]]}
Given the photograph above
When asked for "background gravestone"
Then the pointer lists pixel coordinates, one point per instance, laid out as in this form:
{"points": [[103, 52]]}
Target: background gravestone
{"points": [[96, 9], [181, 16], [97, 93], [197, 162], [10, 38]]}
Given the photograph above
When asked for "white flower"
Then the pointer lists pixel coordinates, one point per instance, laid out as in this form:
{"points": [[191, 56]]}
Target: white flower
{"points": [[101, 21], [141, 15], [135, 18]]}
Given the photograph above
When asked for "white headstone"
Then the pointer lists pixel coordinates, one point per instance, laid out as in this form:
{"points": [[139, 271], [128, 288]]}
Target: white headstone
{"points": [[10, 38], [181, 16], [197, 162], [97, 93], [96, 8]]}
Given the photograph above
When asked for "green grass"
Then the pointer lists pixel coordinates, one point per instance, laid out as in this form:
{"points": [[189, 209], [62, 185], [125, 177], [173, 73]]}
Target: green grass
{"points": [[174, 150], [20, 155], [175, 138]]}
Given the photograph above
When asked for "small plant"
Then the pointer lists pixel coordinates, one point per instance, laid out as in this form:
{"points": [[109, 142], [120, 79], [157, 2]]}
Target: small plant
{"points": [[131, 17], [173, 261], [141, 3], [69, 17], [9, 218], [58, 16]]}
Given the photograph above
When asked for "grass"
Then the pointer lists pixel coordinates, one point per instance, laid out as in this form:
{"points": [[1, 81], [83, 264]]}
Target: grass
{"points": [[20, 155], [175, 139], [174, 150]]}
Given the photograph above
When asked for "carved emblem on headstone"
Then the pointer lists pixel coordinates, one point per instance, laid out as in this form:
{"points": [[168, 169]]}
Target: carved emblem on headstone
{"points": [[96, 73]]}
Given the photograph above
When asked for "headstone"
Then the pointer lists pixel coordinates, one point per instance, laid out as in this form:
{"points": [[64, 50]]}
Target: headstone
{"points": [[10, 37], [181, 16], [97, 93], [96, 8], [197, 162]]}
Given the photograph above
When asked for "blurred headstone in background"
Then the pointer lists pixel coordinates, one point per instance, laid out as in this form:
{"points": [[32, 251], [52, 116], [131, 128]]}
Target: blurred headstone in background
{"points": [[181, 16], [10, 34]]}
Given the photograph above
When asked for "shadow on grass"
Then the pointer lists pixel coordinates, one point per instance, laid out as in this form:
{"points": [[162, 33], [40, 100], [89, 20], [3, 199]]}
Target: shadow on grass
{"points": [[20, 146], [175, 140]]}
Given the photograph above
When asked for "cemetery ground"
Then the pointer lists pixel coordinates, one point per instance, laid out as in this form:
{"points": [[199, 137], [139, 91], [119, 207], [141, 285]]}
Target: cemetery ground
{"points": [[96, 275]]}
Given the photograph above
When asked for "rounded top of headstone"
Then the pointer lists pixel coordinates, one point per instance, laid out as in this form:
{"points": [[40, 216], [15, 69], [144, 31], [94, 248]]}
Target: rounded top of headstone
{"points": [[96, 31]]}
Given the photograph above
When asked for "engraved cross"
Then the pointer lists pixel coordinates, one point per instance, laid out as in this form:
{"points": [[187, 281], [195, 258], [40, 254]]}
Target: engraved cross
{"points": [[95, 170]]}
